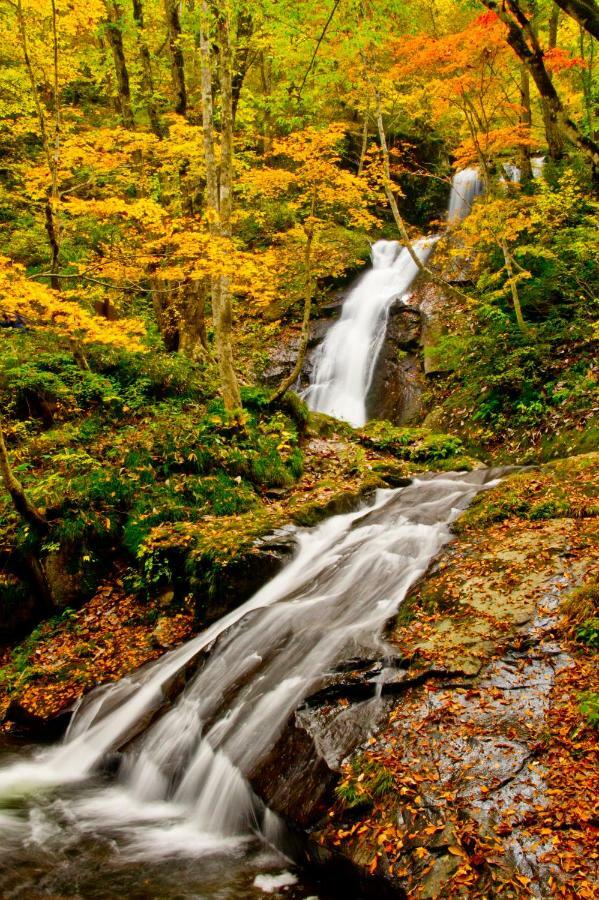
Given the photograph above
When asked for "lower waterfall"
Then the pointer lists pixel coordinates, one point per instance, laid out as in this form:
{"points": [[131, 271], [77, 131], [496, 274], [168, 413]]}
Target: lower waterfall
{"points": [[181, 787]]}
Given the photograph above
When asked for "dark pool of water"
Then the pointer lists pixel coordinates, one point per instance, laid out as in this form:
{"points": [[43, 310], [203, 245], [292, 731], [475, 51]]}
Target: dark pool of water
{"points": [[56, 859]]}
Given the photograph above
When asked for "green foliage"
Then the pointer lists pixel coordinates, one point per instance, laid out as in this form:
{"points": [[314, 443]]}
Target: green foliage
{"points": [[589, 707], [414, 444], [588, 632], [367, 781]]}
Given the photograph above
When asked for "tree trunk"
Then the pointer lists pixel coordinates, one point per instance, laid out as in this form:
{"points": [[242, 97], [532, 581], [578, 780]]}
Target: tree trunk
{"points": [[114, 35], [51, 153], [524, 43], [364, 145], [242, 59], [526, 121], [219, 204], [514, 289], [21, 503], [146, 68], [288, 382], [193, 341], [585, 12], [171, 9], [553, 28], [223, 318]]}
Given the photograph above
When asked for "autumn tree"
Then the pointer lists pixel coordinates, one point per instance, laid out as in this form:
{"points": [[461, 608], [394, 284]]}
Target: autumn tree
{"points": [[305, 168], [525, 43]]}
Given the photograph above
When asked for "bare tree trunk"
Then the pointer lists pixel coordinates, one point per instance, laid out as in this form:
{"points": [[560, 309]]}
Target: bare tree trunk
{"points": [[21, 503], [193, 341], [219, 204], [514, 289], [288, 382], [171, 9], [242, 58], [553, 28], [364, 146], [114, 35], [146, 68], [223, 318], [585, 12]]}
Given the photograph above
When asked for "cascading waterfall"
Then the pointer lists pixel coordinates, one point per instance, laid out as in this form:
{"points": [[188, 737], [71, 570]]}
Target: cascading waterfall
{"points": [[182, 784], [466, 186], [514, 174], [346, 358]]}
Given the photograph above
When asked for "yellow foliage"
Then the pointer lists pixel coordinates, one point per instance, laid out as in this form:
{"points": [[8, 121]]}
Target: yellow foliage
{"points": [[36, 305]]}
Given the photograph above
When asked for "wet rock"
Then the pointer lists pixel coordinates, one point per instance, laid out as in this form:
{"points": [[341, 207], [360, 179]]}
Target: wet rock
{"points": [[397, 382], [39, 728], [244, 576]]}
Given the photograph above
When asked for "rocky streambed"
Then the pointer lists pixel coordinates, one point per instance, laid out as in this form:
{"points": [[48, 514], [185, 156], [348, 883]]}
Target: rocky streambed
{"points": [[457, 762]]}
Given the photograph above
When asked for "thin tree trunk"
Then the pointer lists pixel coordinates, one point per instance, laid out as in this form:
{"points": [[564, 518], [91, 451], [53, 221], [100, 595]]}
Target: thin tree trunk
{"points": [[288, 382], [171, 10], [526, 121], [223, 318], [146, 69], [114, 35], [21, 503], [242, 58], [514, 289], [364, 145], [553, 28], [51, 153]]}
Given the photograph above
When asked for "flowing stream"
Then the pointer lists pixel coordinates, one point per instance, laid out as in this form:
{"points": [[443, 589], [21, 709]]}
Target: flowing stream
{"points": [[346, 359], [179, 787]]}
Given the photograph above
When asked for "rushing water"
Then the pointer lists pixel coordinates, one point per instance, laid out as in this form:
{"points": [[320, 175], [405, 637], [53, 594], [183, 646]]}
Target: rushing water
{"points": [[181, 790], [466, 186], [346, 359]]}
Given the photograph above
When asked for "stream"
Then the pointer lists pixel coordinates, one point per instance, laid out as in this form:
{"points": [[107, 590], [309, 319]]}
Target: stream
{"points": [[154, 793]]}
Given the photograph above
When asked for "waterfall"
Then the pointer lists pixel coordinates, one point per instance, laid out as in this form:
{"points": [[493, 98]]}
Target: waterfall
{"points": [[466, 186], [345, 360], [514, 174], [182, 785]]}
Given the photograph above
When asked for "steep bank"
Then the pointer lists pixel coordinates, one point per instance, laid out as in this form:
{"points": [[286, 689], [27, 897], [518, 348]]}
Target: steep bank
{"points": [[474, 772]]}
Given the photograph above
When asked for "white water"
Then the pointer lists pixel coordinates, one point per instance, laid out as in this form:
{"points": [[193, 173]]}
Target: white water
{"points": [[182, 787], [466, 186], [346, 359], [514, 174]]}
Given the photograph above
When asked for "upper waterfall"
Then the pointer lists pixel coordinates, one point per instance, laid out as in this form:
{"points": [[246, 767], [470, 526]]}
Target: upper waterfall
{"points": [[466, 186], [346, 358]]}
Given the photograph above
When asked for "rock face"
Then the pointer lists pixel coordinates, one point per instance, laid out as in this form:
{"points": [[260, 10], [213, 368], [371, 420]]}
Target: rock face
{"points": [[431, 299], [396, 389]]}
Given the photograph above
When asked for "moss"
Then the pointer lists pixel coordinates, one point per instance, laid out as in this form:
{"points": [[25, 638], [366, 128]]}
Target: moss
{"points": [[564, 488], [420, 445]]}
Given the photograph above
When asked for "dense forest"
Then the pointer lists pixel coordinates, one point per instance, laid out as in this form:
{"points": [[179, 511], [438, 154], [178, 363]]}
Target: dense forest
{"points": [[298, 448]]}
